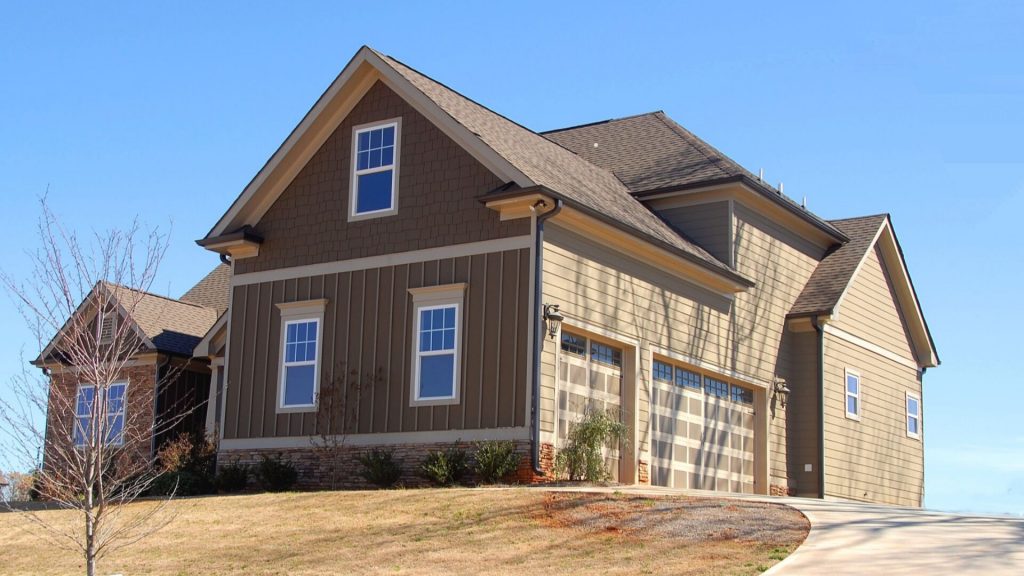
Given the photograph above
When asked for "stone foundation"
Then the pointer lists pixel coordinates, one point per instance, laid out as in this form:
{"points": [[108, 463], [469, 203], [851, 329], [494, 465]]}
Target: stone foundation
{"points": [[321, 469]]}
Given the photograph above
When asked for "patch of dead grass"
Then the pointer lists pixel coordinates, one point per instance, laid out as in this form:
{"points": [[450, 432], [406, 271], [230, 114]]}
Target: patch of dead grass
{"points": [[454, 531]]}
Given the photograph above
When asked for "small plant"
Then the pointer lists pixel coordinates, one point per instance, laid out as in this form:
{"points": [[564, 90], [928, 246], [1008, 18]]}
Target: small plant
{"points": [[495, 460], [275, 474], [380, 468], [232, 477], [186, 467], [582, 458], [445, 467]]}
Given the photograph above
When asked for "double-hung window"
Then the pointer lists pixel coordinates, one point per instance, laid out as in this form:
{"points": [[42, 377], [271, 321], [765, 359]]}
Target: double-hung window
{"points": [[437, 344], [913, 415], [302, 332], [852, 395], [89, 414], [375, 170]]}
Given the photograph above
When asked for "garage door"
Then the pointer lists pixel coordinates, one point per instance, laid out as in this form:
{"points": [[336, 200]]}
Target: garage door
{"points": [[702, 431], [589, 376]]}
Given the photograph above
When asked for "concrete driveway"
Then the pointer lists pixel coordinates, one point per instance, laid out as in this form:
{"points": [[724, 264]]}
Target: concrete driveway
{"points": [[853, 538]]}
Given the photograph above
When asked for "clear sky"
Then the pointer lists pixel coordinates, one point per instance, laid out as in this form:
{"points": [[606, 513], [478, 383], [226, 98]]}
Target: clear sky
{"points": [[916, 109]]}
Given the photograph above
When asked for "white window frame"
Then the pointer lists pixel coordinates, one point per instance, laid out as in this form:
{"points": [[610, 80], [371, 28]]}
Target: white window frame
{"points": [[353, 215], [859, 395], [299, 313], [433, 298], [105, 413], [917, 397]]}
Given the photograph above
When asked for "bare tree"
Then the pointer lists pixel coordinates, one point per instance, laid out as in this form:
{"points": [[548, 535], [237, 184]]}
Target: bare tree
{"points": [[95, 434]]}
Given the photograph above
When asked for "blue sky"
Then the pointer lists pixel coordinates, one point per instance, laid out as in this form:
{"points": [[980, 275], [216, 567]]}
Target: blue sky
{"points": [[916, 109]]}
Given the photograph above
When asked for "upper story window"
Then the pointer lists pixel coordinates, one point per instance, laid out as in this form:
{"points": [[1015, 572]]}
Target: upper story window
{"points": [[89, 414], [437, 341], [302, 333], [375, 151], [852, 395], [913, 415]]}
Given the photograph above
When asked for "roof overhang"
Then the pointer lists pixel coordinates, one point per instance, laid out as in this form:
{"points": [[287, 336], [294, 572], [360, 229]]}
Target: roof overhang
{"points": [[240, 244], [214, 339], [358, 76], [614, 234]]}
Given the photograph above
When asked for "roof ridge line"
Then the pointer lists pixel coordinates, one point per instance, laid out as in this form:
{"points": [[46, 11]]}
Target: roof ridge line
{"points": [[597, 122], [161, 296]]}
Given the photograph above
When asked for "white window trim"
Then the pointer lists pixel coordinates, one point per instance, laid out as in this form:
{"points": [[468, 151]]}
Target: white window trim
{"points": [[906, 405], [354, 216], [105, 414], [859, 395], [432, 298], [297, 313]]}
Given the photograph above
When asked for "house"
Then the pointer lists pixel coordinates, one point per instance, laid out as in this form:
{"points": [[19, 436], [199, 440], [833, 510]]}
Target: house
{"points": [[411, 269], [159, 390]]}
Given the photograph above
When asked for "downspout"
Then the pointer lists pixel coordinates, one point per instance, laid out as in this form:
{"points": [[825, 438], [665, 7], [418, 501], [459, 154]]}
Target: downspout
{"points": [[538, 334], [820, 329]]}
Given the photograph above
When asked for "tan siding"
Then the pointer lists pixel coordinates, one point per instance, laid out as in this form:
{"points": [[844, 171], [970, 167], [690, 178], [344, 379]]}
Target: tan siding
{"points": [[869, 309], [437, 187], [705, 224], [870, 459], [803, 427], [368, 331]]}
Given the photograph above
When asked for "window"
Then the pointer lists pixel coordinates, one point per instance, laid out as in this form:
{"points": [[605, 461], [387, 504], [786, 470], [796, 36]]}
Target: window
{"points": [[913, 415], [852, 395], [716, 387], [574, 344], [742, 395], [605, 354], [688, 378], [114, 414], [662, 371], [301, 334], [375, 170], [437, 344]]}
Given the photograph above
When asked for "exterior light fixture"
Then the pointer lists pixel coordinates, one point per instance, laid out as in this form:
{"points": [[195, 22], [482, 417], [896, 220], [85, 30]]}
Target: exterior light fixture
{"points": [[782, 391], [553, 318]]}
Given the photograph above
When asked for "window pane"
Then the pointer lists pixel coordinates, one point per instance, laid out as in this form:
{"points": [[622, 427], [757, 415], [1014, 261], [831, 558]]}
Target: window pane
{"points": [[374, 192], [387, 156], [912, 406], [604, 353], [375, 138], [115, 399], [389, 136], [85, 396], [449, 317], [912, 425], [574, 344], [687, 378], [364, 141], [311, 331], [742, 395], [298, 387], [851, 404], [852, 384], [375, 158], [449, 339], [662, 371], [115, 427], [437, 376], [363, 161], [81, 430], [716, 387], [437, 340]]}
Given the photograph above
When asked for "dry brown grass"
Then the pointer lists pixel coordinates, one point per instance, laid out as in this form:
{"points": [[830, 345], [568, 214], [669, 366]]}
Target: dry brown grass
{"points": [[456, 531]]}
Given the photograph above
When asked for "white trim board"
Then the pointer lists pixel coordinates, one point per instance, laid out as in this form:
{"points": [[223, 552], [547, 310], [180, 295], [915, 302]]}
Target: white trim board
{"points": [[384, 260], [870, 347]]}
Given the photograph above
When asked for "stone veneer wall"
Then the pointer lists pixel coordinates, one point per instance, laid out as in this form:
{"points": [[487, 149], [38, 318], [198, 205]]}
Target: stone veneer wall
{"points": [[316, 467]]}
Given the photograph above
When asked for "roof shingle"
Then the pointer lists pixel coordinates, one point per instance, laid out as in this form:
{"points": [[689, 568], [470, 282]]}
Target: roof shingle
{"points": [[172, 325], [212, 291]]}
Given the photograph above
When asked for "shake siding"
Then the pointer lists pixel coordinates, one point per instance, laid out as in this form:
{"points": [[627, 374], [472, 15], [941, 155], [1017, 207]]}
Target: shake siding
{"points": [[705, 224], [870, 459], [869, 309], [368, 331]]}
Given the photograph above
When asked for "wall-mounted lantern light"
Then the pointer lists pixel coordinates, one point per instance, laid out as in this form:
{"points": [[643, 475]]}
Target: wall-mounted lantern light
{"points": [[553, 318], [782, 391]]}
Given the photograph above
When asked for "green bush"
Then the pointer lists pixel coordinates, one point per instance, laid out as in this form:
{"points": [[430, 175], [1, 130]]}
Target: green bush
{"points": [[445, 467], [276, 475], [495, 460], [232, 477], [380, 468], [581, 458]]}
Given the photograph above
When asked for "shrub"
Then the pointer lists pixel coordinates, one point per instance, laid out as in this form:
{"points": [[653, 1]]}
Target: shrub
{"points": [[276, 475], [380, 468], [445, 467], [495, 460], [232, 477], [188, 464], [581, 458]]}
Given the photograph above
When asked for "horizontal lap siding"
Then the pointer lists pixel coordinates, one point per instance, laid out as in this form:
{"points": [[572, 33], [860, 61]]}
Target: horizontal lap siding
{"points": [[870, 459], [869, 309], [365, 348], [705, 224]]}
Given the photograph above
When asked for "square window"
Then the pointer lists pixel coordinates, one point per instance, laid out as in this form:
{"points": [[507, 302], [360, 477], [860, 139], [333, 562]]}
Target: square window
{"points": [[662, 371], [374, 170], [573, 344]]}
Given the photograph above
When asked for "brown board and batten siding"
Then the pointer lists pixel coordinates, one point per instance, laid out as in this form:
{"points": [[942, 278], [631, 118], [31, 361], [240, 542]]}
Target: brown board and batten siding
{"points": [[872, 458], [368, 329], [438, 182]]}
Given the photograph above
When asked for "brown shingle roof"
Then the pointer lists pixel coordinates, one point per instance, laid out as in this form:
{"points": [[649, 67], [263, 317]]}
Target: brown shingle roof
{"points": [[172, 325], [212, 291], [836, 270], [650, 152], [549, 164]]}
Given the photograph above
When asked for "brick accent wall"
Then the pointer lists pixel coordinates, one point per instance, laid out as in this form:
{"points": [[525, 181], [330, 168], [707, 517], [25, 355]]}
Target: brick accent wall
{"points": [[323, 471], [643, 475], [780, 490]]}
